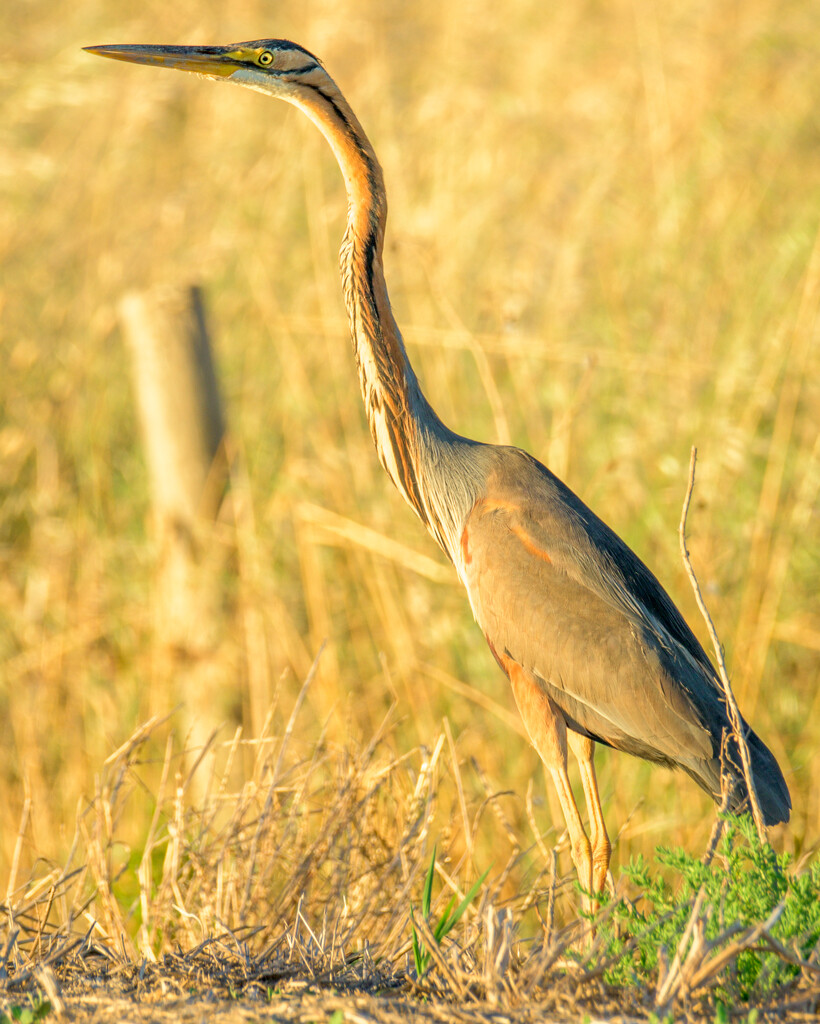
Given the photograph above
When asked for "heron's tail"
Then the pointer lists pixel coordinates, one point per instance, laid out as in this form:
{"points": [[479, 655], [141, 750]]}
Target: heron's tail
{"points": [[772, 791], [771, 788]]}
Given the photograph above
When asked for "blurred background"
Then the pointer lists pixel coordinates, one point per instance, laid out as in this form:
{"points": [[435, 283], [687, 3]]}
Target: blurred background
{"points": [[602, 247]]}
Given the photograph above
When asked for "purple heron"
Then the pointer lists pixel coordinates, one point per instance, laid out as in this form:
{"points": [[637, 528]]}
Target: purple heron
{"points": [[593, 646]]}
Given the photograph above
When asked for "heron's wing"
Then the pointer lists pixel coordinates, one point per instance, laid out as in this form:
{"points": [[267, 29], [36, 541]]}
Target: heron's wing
{"points": [[555, 590]]}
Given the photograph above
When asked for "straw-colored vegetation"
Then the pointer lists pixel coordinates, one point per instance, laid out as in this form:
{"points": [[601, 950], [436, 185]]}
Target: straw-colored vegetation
{"points": [[603, 247]]}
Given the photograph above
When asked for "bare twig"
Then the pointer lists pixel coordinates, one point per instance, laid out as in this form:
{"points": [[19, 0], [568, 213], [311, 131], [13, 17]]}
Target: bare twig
{"points": [[734, 712]]}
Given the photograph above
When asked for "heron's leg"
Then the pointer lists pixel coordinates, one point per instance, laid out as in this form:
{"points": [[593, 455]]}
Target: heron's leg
{"points": [[548, 732], [584, 749]]}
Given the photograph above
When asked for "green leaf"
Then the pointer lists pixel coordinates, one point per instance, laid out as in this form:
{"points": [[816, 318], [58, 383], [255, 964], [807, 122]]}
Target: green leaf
{"points": [[445, 923], [427, 894], [421, 957], [468, 899]]}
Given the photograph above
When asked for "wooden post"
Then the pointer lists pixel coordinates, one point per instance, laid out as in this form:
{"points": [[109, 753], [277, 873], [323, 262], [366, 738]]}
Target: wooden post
{"points": [[182, 429]]}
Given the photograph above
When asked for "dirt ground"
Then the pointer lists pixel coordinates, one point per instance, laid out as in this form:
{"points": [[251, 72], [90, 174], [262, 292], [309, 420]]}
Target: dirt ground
{"points": [[215, 985], [302, 1006], [167, 992], [300, 1002]]}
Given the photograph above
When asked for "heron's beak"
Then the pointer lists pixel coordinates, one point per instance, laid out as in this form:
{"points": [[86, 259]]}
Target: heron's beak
{"points": [[217, 61]]}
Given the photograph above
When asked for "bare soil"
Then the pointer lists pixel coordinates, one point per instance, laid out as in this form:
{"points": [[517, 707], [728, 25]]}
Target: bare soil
{"points": [[221, 981]]}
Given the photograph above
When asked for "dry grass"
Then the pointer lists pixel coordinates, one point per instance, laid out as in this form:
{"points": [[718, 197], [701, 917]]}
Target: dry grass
{"points": [[290, 898], [603, 246], [304, 877]]}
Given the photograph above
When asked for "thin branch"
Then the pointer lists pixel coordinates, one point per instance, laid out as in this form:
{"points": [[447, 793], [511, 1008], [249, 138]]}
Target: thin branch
{"points": [[734, 712]]}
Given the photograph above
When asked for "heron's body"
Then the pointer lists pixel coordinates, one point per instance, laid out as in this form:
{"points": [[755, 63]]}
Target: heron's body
{"points": [[593, 646]]}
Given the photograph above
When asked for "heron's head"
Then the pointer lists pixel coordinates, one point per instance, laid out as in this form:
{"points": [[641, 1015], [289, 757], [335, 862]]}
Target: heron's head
{"points": [[290, 72], [274, 66]]}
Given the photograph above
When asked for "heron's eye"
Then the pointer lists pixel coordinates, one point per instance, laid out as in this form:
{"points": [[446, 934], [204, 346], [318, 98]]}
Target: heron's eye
{"points": [[265, 59]]}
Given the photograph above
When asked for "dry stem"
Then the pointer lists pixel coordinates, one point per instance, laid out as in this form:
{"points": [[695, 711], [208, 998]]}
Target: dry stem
{"points": [[734, 712]]}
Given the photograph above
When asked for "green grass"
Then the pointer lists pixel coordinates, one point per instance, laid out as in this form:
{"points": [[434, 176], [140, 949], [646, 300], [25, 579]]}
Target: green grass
{"points": [[440, 929]]}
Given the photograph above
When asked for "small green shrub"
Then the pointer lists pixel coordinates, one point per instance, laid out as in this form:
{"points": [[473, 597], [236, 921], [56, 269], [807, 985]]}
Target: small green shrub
{"points": [[744, 883]]}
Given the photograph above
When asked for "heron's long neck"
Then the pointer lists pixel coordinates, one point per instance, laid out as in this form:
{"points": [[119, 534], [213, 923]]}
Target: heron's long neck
{"points": [[414, 446], [397, 411]]}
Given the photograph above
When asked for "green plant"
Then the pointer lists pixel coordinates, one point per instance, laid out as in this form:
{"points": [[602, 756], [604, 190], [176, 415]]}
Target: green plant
{"points": [[742, 887], [448, 920], [722, 1015], [26, 1014]]}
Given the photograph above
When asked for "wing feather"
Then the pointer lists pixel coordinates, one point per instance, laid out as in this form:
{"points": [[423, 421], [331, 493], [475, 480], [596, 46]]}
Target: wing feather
{"points": [[552, 589]]}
